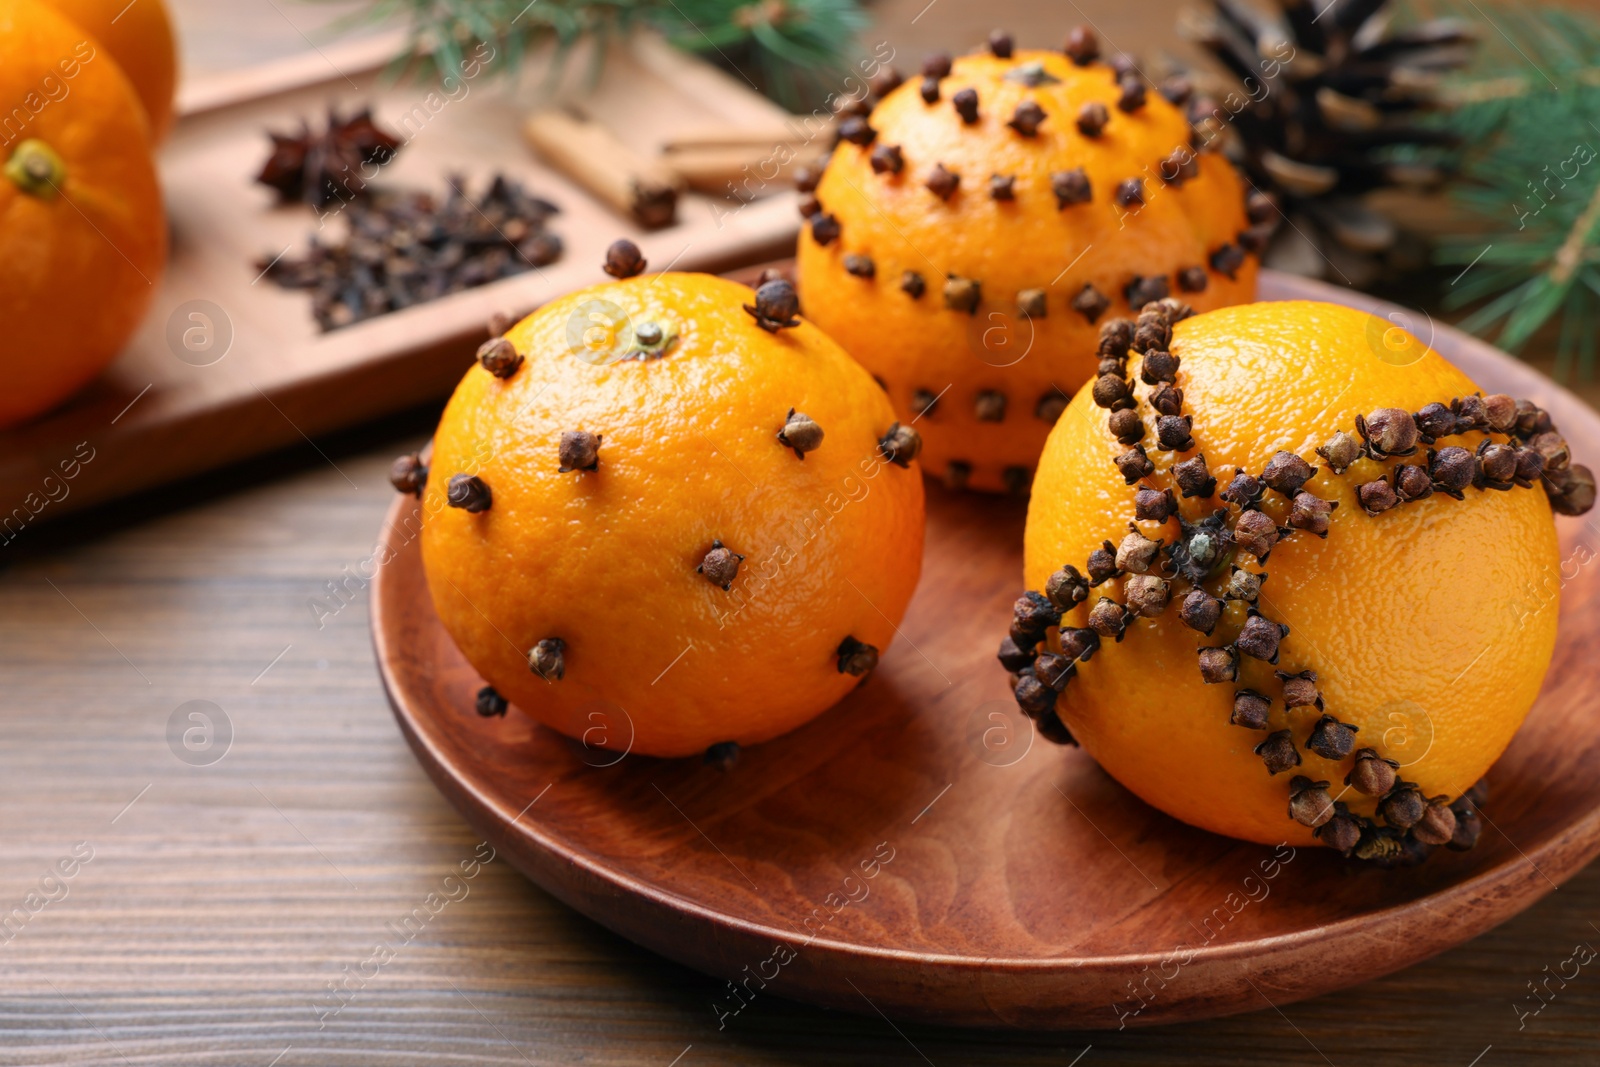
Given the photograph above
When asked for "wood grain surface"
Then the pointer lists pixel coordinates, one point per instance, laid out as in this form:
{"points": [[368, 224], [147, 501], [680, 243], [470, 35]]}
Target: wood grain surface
{"points": [[821, 868], [220, 904]]}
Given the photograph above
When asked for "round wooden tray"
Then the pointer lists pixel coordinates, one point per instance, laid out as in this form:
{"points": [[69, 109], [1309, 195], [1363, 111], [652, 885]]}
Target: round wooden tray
{"points": [[913, 852]]}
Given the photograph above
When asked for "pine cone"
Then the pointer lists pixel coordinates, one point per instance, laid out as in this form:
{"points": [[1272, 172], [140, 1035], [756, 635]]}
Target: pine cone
{"points": [[1328, 112]]}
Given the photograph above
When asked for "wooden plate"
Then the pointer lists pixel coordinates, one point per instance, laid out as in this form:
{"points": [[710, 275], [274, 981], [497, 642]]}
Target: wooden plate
{"points": [[912, 854]]}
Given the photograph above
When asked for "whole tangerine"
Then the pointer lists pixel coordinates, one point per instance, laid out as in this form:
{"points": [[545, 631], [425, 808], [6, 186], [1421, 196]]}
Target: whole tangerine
{"points": [[971, 230], [80, 211], [1312, 600], [663, 514], [139, 38]]}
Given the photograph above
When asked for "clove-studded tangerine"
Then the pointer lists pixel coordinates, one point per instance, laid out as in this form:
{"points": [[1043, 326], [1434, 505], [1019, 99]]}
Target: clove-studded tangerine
{"points": [[1396, 647], [705, 539], [1055, 193]]}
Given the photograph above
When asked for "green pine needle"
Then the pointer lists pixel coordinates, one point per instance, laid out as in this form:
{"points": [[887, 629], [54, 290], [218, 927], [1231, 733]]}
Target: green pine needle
{"points": [[792, 50], [1529, 113]]}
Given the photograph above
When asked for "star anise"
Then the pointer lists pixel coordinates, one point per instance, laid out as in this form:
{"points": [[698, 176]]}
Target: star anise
{"points": [[335, 164]]}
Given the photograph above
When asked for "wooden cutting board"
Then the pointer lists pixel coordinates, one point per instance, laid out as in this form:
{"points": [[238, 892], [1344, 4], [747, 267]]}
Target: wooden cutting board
{"points": [[258, 375]]}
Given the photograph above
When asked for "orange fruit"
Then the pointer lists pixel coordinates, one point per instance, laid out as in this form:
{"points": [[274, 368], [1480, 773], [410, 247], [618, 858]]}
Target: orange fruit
{"points": [[979, 312], [139, 38], [1429, 624], [708, 580], [80, 211]]}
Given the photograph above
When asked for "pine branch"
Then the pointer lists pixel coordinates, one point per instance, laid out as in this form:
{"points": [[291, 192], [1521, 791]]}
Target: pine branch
{"points": [[792, 50], [1529, 113]]}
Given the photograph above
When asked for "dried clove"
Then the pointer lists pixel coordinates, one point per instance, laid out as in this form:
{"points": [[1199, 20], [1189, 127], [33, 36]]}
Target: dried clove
{"points": [[887, 159], [1108, 619], [1092, 118], [499, 357], [776, 306], [1070, 187], [1278, 752], [1433, 421], [1402, 807], [1033, 696], [1127, 426], [548, 659], [623, 259], [1154, 505], [1193, 279], [990, 406], [723, 755], [800, 433], [1244, 490], [1300, 690], [1309, 803], [966, 105], [1172, 432], [1376, 497], [1013, 656], [1136, 552], [857, 131], [1437, 826], [579, 450], [720, 565], [1003, 187], [1193, 477], [1132, 93], [1389, 432], [1148, 595], [859, 265], [1332, 739], [1218, 665], [913, 285], [1000, 44], [1256, 533], [408, 474], [1260, 637], [1372, 774], [1082, 47], [1079, 644], [962, 294], [1090, 302], [1066, 588], [491, 704], [1031, 303], [825, 229], [1340, 452], [1311, 513], [1250, 710], [900, 444], [1227, 260], [1245, 586], [1134, 464], [1342, 831], [468, 492], [856, 657], [1145, 288], [1200, 611], [1027, 118], [1452, 470], [1287, 472], [1103, 564], [1033, 613]]}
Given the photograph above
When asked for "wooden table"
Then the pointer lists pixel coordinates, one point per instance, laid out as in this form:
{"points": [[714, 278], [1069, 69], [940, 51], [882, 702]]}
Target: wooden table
{"points": [[222, 897]]}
